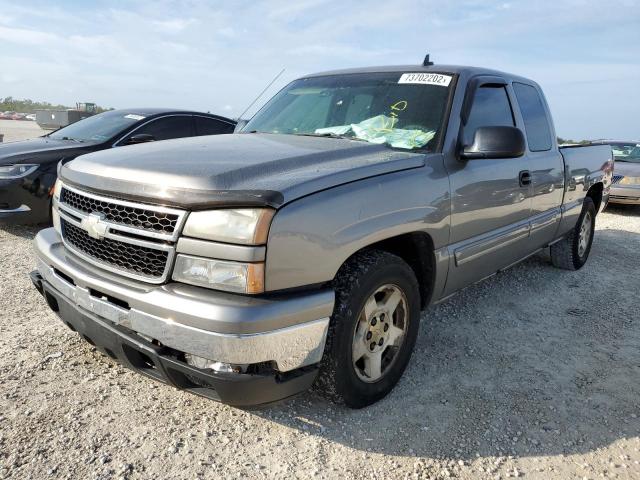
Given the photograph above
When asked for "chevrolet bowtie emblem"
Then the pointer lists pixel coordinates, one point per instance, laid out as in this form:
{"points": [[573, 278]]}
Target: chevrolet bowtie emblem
{"points": [[94, 225]]}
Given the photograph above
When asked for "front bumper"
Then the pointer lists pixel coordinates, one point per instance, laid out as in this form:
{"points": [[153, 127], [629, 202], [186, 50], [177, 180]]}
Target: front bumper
{"points": [[287, 331], [629, 195]]}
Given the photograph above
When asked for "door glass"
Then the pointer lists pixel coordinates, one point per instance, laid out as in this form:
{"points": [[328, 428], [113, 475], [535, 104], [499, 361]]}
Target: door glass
{"points": [[210, 126], [167, 128], [490, 108], [536, 123]]}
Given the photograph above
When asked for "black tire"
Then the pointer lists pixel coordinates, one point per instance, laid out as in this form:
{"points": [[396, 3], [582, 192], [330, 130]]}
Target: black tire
{"points": [[358, 279], [566, 253]]}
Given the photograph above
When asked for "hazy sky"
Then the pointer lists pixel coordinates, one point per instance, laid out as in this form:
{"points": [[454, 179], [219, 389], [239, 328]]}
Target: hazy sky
{"points": [[218, 55]]}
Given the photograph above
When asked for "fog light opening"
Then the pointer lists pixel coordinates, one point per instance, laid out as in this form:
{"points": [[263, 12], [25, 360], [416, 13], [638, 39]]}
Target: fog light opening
{"points": [[218, 367]]}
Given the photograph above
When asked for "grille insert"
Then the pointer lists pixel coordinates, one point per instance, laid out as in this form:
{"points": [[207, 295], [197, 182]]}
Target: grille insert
{"points": [[145, 219], [138, 260], [617, 178]]}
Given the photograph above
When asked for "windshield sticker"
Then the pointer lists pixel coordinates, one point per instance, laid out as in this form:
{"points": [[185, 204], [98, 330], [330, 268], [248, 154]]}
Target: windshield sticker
{"points": [[426, 79], [133, 116]]}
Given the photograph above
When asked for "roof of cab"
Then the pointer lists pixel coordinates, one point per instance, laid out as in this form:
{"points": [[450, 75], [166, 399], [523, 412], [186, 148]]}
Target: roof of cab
{"points": [[150, 111], [452, 69]]}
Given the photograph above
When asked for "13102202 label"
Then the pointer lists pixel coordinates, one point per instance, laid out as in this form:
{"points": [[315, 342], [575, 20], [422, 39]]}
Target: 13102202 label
{"points": [[426, 79]]}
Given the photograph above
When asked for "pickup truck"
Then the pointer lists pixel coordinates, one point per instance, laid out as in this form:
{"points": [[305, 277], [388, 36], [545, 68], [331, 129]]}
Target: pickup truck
{"points": [[301, 251]]}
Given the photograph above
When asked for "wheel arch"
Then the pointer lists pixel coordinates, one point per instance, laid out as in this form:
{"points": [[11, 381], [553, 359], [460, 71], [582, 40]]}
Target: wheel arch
{"points": [[417, 250], [596, 193]]}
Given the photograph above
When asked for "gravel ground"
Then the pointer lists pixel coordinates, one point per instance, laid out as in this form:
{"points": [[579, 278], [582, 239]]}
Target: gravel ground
{"points": [[14, 130], [534, 373]]}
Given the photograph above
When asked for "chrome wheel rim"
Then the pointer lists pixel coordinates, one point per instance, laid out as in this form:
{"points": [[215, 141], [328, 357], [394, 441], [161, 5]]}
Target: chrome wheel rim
{"points": [[379, 333], [585, 234]]}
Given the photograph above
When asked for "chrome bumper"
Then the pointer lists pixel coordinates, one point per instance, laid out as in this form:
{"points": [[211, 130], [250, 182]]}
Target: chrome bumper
{"points": [[629, 195], [289, 331]]}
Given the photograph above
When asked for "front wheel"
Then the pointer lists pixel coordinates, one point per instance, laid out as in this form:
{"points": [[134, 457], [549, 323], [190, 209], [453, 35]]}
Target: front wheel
{"points": [[372, 331], [571, 252]]}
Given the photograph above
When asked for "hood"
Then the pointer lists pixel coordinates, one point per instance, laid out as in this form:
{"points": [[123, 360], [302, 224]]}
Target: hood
{"points": [[41, 150], [628, 169], [233, 170]]}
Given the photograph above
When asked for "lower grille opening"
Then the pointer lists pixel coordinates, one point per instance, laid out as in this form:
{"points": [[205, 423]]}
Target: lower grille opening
{"points": [[52, 302], [138, 359]]}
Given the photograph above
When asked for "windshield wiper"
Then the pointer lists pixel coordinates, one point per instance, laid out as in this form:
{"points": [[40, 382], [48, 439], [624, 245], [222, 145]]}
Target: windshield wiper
{"points": [[330, 135], [71, 139]]}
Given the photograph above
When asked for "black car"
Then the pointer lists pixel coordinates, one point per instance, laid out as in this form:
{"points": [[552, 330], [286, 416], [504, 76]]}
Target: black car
{"points": [[28, 168]]}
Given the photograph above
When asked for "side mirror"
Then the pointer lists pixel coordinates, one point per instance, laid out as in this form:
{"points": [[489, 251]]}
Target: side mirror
{"points": [[141, 138], [495, 142]]}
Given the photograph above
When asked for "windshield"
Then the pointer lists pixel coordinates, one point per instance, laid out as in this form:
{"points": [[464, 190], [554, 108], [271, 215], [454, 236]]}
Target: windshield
{"points": [[626, 152], [399, 110], [97, 128]]}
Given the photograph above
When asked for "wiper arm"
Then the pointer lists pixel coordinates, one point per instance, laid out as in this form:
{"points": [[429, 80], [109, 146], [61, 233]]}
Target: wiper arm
{"points": [[330, 135]]}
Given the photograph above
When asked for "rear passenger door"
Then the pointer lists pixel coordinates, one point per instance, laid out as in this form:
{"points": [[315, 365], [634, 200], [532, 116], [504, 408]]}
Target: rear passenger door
{"points": [[545, 163], [490, 202], [211, 126]]}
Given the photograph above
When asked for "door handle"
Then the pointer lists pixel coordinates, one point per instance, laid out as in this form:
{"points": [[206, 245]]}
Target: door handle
{"points": [[525, 178]]}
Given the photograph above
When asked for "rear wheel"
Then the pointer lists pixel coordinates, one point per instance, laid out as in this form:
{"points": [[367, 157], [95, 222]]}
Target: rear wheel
{"points": [[571, 253], [372, 331]]}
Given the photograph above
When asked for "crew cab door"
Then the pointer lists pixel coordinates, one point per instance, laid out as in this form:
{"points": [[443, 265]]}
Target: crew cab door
{"points": [[545, 163], [490, 197]]}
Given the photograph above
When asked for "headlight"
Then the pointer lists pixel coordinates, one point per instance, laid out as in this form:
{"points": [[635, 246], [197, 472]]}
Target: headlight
{"points": [[219, 274], [247, 226], [56, 189], [630, 181], [16, 171]]}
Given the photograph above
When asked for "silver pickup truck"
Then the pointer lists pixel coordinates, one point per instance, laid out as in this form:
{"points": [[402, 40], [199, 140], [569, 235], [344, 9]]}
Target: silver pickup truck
{"points": [[300, 252]]}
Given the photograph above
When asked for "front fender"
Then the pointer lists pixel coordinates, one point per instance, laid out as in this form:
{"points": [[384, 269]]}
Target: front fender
{"points": [[312, 237]]}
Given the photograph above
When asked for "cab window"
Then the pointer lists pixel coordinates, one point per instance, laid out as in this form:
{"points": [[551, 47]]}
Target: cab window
{"points": [[491, 108]]}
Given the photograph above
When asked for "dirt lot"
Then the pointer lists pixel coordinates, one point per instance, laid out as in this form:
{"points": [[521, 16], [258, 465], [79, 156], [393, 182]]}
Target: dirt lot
{"points": [[14, 130], [534, 373]]}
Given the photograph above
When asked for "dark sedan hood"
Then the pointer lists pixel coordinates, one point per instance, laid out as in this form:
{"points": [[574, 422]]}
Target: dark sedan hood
{"points": [[238, 169], [41, 150]]}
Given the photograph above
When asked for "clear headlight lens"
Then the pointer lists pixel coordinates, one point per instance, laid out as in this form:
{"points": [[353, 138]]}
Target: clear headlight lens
{"points": [[219, 274], [247, 226], [630, 181], [56, 189], [16, 171]]}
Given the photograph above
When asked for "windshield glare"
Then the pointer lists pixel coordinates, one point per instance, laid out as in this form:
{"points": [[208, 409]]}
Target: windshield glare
{"points": [[373, 107], [97, 128], [626, 152]]}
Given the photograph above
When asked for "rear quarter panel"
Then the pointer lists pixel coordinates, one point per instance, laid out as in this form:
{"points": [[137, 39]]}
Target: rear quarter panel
{"points": [[584, 167]]}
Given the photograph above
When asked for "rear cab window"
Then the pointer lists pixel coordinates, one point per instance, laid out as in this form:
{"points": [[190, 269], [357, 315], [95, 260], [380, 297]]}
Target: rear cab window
{"points": [[536, 122]]}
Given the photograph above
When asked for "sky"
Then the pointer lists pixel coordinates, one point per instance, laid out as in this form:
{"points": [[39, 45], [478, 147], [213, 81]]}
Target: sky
{"points": [[218, 55]]}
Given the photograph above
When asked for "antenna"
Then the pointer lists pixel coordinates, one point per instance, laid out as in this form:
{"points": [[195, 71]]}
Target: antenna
{"points": [[427, 62], [261, 93]]}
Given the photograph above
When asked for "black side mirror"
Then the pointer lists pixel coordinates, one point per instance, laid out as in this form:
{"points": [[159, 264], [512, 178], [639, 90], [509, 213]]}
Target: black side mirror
{"points": [[495, 142], [141, 138]]}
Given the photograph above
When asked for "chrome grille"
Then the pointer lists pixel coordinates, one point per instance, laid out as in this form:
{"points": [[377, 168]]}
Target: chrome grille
{"points": [[135, 259], [617, 178], [138, 217], [132, 239]]}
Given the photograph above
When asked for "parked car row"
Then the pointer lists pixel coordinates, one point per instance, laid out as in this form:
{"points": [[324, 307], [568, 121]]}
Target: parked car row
{"points": [[10, 115], [299, 251]]}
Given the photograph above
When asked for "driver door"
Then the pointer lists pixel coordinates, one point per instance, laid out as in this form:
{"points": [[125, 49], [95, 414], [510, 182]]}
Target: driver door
{"points": [[490, 199]]}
